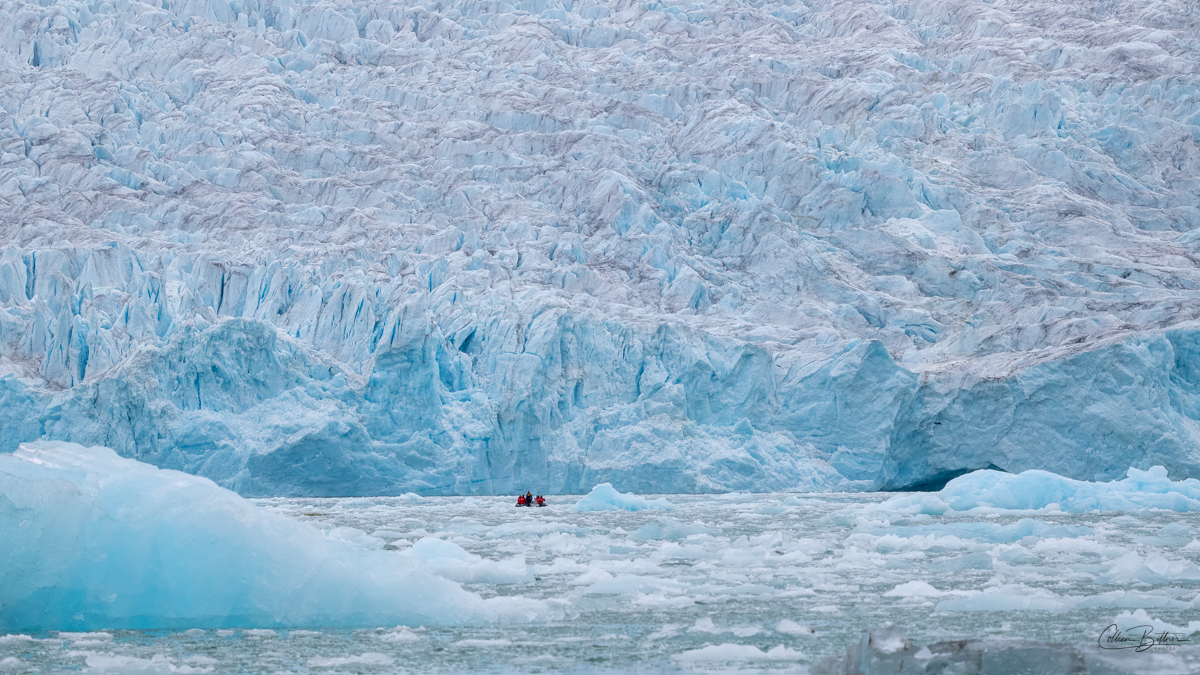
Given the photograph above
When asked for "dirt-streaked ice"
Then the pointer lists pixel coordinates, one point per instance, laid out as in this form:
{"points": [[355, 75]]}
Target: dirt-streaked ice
{"points": [[336, 247]]}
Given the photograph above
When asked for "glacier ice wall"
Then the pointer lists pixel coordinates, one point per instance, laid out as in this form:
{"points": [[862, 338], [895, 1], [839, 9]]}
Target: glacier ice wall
{"points": [[343, 247]]}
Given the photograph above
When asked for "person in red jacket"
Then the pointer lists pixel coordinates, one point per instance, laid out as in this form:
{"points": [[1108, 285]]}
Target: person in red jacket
{"points": [[520, 500], [541, 501]]}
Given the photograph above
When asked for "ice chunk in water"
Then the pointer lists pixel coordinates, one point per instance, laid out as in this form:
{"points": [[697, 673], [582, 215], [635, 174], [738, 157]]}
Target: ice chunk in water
{"points": [[94, 540], [1036, 489], [1139, 618], [732, 652], [914, 589], [669, 529], [604, 497], [452, 561]]}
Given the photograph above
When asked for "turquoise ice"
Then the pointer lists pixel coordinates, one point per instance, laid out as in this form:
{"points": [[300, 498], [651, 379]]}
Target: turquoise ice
{"points": [[335, 248], [94, 540]]}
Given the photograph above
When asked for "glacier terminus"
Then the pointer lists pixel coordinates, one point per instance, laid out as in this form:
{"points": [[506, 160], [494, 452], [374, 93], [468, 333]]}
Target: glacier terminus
{"points": [[342, 247]]}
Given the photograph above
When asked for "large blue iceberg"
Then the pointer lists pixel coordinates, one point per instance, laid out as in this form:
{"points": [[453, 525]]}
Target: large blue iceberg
{"points": [[333, 248], [93, 540]]}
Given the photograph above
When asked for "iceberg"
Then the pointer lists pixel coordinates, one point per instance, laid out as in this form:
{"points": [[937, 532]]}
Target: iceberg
{"points": [[1036, 490], [320, 248], [94, 540], [604, 497]]}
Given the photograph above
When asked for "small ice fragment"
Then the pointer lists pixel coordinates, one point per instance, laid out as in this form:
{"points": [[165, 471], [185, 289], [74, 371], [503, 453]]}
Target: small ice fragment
{"points": [[368, 659], [259, 633], [667, 528], [1139, 618], [593, 576], [669, 630], [401, 634], [604, 497], [734, 652], [483, 644], [356, 537], [789, 627], [913, 589]]}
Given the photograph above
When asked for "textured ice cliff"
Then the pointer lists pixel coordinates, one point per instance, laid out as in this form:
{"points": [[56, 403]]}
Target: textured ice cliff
{"points": [[350, 247]]}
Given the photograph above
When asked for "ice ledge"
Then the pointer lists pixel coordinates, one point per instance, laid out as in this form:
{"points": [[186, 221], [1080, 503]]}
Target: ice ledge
{"points": [[595, 401]]}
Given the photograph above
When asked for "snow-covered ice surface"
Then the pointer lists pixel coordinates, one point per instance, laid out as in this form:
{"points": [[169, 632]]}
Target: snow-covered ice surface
{"points": [[733, 582], [339, 247]]}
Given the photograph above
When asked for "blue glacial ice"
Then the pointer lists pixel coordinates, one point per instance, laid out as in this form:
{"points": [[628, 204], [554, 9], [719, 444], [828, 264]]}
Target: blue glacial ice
{"points": [[93, 540], [1041, 490], [334, 248], [604, 497]]}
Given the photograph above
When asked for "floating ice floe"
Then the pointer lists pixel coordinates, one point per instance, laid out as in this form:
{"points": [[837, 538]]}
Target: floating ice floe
{"points": [[604, 497], [449, 560], [736, 652], [668, 529], [1037, 490], [93, 540]]}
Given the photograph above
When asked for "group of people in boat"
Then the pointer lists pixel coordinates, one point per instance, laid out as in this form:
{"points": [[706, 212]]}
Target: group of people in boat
{"points": [[528, 499]]}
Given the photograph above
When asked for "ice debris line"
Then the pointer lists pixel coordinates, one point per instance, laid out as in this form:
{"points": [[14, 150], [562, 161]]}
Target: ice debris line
{"points": [[605, 497], [94, 540], [1041, 490], [331, 248]]}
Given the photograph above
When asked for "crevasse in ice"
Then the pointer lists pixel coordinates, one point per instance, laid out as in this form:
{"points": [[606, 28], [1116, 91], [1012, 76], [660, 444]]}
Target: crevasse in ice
{"points": [[336, 247], [94, 540]]}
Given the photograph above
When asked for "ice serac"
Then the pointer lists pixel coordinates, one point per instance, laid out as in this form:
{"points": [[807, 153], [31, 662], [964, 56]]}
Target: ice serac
{"points": [[94, 541], [331, 248]]}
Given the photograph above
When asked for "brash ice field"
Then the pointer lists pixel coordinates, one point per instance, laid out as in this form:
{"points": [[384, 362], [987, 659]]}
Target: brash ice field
{"points": [[610, 583]]}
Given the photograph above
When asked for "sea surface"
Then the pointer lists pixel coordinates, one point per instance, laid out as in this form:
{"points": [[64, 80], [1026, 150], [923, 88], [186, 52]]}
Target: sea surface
{"points": [[728, 583]]}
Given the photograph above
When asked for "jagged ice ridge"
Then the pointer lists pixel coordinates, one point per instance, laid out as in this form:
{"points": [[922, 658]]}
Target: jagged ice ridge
{"points": [[346, 247]]}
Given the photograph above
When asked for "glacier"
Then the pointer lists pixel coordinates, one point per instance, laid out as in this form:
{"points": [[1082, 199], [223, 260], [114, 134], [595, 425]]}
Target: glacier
{"points": [[334, 247], [95, 541]]}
